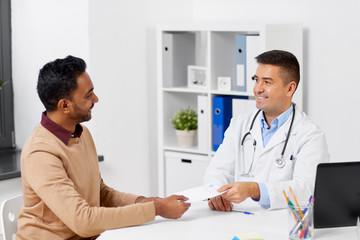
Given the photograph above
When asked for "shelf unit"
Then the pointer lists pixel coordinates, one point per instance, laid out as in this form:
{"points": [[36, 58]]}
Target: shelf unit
{"points": [[212, 47]]}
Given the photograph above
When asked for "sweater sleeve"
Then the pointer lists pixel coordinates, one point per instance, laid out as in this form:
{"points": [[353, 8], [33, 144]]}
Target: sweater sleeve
{"points": [[46, 175], [112, 198]]}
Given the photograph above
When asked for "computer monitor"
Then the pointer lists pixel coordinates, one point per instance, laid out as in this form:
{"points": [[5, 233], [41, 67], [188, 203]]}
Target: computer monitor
{"points": [[337, 194]]}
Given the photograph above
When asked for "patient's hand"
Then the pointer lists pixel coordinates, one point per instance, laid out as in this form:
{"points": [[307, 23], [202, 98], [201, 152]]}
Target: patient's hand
{"points": [[145, 199], [171, 207]]}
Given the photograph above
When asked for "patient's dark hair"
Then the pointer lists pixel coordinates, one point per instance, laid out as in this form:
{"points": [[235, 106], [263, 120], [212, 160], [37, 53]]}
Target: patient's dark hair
{"points": [[58, 79], [289, 65]]}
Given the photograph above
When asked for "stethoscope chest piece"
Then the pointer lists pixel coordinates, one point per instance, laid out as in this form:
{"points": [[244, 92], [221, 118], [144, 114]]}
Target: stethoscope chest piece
{"points": [[280, 162]]}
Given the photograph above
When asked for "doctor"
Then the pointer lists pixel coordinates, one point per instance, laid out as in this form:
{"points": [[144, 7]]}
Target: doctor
{"points": [[277, 146]]}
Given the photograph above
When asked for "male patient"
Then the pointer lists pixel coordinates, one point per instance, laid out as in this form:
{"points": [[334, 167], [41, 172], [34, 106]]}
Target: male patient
{"points": [[64, 194]]}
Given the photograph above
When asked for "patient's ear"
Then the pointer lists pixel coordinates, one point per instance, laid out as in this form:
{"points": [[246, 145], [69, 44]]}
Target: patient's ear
{"points": [[64, 105]]}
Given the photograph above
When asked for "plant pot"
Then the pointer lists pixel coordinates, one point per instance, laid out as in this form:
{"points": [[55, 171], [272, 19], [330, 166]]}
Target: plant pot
{"points": [[186, 138]]}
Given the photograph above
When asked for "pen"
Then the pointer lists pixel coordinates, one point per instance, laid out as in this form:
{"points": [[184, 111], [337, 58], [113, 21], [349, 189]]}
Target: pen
{"points": [[294, 211], [296, 215], [297, 204], [244, 212], [298, 225], [310, 201], [302, 223], [287, 200]]}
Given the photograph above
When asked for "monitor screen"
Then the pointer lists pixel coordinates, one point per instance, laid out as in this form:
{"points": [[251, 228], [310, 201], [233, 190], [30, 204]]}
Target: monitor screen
{"points": [[337, 194]]}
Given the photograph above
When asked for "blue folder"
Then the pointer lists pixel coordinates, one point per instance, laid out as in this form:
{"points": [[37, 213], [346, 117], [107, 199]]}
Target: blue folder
{"points": [[222, 113]]}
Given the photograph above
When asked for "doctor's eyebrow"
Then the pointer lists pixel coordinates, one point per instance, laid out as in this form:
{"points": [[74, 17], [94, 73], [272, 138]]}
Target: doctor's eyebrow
{"points": [[264, 78], [256, 77], [267, 78]]}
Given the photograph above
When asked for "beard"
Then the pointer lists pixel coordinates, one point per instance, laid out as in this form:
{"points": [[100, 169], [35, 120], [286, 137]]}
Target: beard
{"points": [[82, 115]]}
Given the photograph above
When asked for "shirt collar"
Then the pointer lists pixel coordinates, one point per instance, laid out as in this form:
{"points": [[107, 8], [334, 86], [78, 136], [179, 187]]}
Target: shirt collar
{"points": [[279, 121], [60, 132]]}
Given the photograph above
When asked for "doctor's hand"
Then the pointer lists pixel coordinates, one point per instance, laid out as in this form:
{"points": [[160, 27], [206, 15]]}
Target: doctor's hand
{"points": [[171, 207], [219, 203], [239, 191]]}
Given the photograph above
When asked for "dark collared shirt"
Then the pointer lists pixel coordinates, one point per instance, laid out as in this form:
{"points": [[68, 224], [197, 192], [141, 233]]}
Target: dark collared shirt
{"points": [[60, 132]]}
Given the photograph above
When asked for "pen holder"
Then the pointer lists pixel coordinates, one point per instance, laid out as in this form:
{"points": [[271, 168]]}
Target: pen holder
{"points": [[301, 222]]}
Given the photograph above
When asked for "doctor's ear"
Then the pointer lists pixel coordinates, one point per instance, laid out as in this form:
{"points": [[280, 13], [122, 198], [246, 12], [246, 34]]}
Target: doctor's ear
{"points": [[292, 88], [64, 105]]}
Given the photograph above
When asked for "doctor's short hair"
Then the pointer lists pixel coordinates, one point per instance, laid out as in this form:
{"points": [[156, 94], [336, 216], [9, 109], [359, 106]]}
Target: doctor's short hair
{"points": [[58, 79], [289, 65]]}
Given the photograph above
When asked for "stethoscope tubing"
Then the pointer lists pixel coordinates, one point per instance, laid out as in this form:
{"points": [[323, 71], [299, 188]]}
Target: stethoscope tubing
{"points": [[287, 136]]}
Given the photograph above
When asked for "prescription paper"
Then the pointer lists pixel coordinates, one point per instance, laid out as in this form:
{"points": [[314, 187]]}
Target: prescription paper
{"points": [[201, 193]]}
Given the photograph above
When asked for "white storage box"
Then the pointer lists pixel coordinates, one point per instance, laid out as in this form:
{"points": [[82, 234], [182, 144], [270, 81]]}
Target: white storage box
{"points": [[183, 171]]}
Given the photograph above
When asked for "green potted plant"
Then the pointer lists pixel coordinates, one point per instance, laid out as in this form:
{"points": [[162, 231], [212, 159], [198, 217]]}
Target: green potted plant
{"points": [[185, 124]]}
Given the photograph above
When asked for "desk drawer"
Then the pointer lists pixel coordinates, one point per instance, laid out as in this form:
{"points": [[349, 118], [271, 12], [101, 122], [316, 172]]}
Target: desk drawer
{"points": [[183, 171]]}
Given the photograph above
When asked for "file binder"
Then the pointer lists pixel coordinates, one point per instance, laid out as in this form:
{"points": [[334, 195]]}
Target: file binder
{"points": [[178, 51], [242, 106], [240, 58], [203, 122], [222, 113], [252, 51]]}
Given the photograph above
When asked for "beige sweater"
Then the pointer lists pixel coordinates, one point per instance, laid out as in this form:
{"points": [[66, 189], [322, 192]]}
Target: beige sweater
{"points": [[64, 195]]}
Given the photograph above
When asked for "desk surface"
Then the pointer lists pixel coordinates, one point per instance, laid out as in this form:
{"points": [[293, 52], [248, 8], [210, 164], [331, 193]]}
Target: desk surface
{"points": [[199, 222]]}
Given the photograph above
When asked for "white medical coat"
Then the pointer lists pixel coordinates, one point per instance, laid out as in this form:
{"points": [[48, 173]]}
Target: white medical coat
{"points": [[307, 145]]}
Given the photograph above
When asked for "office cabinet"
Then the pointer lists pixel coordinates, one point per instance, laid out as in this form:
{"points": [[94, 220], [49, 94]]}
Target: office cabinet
{"points": [[183, 171], [197, 63]]}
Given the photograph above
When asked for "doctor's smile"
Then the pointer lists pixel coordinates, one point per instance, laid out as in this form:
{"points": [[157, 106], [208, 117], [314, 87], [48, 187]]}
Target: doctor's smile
{"points": [[260, 98]]}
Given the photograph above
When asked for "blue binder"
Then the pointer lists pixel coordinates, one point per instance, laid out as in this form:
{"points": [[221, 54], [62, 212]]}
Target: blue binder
{"points": [[240, 68], [222, 113]]}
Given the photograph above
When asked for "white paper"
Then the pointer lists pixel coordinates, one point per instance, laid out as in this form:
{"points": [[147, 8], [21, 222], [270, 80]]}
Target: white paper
{"points": [[201, 193]]}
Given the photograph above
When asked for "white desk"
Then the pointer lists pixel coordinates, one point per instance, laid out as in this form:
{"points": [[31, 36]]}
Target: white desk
{"points": [[199, 222]]}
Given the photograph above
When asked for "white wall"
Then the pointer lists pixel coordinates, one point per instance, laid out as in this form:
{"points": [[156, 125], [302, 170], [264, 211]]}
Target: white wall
{"points": [[123, 56], [331, 58]]}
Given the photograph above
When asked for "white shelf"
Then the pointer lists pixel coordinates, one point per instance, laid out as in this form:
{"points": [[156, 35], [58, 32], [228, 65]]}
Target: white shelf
{"points": [[232, 93], [212, 47], [185, 89], [185, 150]]}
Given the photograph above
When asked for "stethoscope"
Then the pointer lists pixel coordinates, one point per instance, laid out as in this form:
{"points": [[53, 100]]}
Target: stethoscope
{"points": [[279, 162]]}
